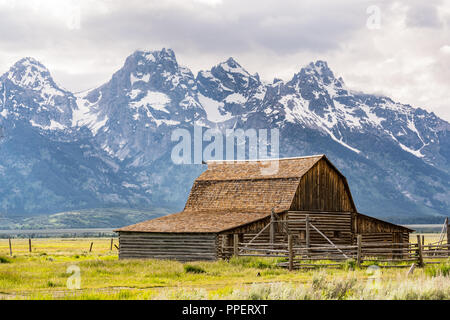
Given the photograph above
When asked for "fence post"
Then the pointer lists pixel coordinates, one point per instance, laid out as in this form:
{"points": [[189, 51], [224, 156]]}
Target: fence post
{"points": [[10, 247], [29, 244], [448, 237], [358, 252], [224, 242], [291, 252], [110, 248], [90, 249], [307, 234], [419, 252], [236, 244], [272, 227]]}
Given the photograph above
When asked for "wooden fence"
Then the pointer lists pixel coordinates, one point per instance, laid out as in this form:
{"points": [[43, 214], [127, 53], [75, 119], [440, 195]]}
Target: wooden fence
{"points": [[304, 257], [31, 247], [302, 254]]}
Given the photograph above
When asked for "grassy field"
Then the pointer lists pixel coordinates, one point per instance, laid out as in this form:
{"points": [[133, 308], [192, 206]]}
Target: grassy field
{"points": [[42, 274]]}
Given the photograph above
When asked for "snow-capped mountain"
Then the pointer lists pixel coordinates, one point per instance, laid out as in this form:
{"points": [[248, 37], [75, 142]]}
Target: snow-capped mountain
{"points": [[28, 93], [127, 115], [110, 146]]}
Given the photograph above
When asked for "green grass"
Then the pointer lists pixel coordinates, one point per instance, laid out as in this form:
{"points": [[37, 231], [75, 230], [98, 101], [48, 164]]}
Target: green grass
{"points": [[442, 269], [42, 274], [188, 268], [4, 259]]}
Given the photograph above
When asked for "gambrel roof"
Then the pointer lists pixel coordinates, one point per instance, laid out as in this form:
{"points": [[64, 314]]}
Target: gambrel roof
{"points": [[230, 194]]}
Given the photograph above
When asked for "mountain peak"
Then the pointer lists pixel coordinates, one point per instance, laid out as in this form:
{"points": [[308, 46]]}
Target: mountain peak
{"points": [[320, 64], [320, 67], [30, 61], [231, 62], [33, 65], [145, 61], [156, 55], [318, 71], [232, 66], [29, 73]]}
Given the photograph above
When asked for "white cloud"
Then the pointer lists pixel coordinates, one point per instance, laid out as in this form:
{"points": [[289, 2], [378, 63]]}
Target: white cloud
{"points": [[407, 58]]}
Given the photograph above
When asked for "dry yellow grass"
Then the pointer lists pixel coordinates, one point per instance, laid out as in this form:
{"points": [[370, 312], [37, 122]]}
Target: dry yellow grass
{"points": [[429, 237], [57, 245]]}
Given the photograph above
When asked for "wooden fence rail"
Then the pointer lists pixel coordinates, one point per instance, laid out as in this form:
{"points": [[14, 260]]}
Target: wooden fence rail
{"points": [[302, 256]]}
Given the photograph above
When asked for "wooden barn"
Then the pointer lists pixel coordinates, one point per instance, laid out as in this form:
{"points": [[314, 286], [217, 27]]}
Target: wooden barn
{"points": [[238, 200]]}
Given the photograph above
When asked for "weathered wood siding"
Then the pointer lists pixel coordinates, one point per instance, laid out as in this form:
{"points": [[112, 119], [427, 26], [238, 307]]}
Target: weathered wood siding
{"points": [[323, 189], [386, 237], [380, 237], [337, 226], [246, 233], [374, 230], [365, 224], [175, 246]]}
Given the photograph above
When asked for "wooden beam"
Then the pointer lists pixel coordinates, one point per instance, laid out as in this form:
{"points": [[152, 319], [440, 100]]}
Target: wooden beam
{"points": [[272, 226], [419, 252], [331, 242], [291, 252], [448, 234], [448, 230], [358, 252], [236, 244], [258, 234], [307, 232], [223, 245]]}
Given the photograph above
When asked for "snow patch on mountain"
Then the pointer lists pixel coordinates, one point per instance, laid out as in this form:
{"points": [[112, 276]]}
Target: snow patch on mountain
{"points": [[214, 109], [54, 125], [86, 115], [141, 77], [236, 98], [370, 116], [154, 100], [416, 153]]}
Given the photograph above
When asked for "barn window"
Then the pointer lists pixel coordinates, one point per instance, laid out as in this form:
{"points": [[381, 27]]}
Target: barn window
{"points": [[336, 234]]}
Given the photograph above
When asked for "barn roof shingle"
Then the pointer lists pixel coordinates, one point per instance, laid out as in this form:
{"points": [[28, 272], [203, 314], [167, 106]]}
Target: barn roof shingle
{"points": [[233, 193], [196, 221]]}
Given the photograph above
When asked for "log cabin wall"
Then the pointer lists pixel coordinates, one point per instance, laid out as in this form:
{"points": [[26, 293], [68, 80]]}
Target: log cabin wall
{"points": [[375, 230], [337, 226], [247, 233], [174, 246], [386, 237]]}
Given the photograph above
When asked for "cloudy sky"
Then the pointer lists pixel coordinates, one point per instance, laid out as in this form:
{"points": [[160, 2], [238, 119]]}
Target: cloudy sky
{"points": [[397, 48]]}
